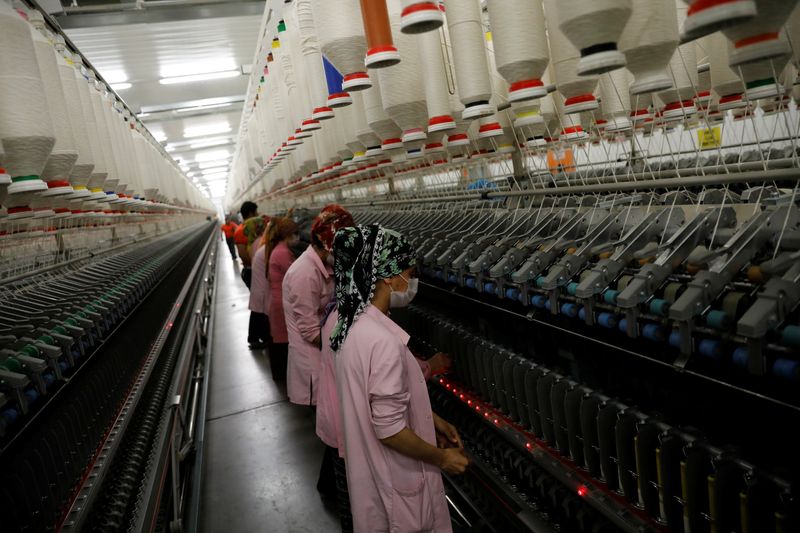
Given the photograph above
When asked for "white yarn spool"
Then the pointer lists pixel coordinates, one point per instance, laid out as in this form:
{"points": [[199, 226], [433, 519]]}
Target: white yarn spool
{"points": [[341, 38], [103, 134], [594, 29], [679, 101], [312, 60], [576, 90], [520, 42], [143, 168], [365, 135], [434, 77], [792, 32], [708, 16], [118, 151], [702, 99], [421, 16], [569, 126], [62, 158], [26, 131], [649, 42], [347, 118], [289, 47], [472, 71], [379, 121], [759, 38], [402, 90], [82, 171], [761, 77], [100, 171], [615, 100]]}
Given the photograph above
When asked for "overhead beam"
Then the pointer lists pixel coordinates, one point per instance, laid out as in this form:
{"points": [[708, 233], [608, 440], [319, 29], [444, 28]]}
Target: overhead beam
{"points": [[116, 14]]}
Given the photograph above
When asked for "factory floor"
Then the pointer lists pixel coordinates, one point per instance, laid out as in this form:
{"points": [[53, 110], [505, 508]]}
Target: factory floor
{"points": [[262, 456]]}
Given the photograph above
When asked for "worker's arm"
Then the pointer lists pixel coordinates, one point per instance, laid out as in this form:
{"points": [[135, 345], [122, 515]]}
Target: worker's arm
{"points": [[243, 253], [408, 443], [305, 298]]}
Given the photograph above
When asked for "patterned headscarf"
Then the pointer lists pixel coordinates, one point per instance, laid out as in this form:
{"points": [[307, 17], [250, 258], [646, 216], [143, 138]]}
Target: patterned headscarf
{"points": [[362, 256], [330, 220]]}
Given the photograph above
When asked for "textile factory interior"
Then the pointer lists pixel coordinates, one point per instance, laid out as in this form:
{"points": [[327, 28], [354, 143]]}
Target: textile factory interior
{"points": [[208, 208]]}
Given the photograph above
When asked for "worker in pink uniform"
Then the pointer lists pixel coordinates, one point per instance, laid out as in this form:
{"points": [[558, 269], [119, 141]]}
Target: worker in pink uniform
{"points": [[280, 259], [329, 426], [307, 289], [390, 432]]}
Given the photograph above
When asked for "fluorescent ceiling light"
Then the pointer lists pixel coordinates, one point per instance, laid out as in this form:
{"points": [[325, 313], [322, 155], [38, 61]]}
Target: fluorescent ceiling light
{"points": [[143, 115], [121, 86], [202, 107], [169, 148], [209, 143], [200, 77], [115, 76], [214, 170], [159, 136], [215, 175], [208, 129], [214, 163]]}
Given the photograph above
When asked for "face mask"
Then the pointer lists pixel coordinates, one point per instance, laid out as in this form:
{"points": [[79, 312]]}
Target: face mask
{"points": [[402, 299]]}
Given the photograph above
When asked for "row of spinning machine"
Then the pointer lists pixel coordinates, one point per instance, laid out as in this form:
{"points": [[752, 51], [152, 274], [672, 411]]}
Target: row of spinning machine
{"points": [[603, 196]]}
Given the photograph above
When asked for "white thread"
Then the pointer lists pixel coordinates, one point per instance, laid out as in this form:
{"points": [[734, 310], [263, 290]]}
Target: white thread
{"points": [[792, 32], [347, 118], [286, 85], [588, 24], [377, 118], [565, 58], [402, 91], [771, 17], [26, 130], [341, 34], [143, 165], [520, 41], [100, 172], [112, 177], [466, 34], [615, 100], [649, 42], [64, 154], [682, 67], [364, 133], [310, 54], [82, 170], [117, 150], [434, 77]]}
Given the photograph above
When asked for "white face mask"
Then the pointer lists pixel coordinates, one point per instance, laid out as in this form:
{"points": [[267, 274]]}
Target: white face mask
{"points": [[401, 299]]}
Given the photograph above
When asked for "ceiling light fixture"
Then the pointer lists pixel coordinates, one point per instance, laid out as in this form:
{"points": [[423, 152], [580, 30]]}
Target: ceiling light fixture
{"points": [[200, 77], [204, 165], [213, 155], [121, 86], [202, 107], [209, 143], [209, 129]]}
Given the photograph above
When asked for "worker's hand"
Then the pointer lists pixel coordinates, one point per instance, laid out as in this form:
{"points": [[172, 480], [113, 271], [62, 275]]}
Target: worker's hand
{"points": [[439, 363], [453, 461], [446, 433]]}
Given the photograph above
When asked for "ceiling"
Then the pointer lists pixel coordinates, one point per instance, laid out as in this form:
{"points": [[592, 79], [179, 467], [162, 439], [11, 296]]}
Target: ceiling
{"points": [[139, 43]]}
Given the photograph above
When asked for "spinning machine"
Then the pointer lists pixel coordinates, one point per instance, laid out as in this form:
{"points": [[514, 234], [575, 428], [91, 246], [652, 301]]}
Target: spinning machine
{"points": [[106, 281], [604, 200]]}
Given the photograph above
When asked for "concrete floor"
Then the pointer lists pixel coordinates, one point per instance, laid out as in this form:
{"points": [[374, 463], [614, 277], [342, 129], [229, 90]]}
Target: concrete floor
{"points": [[262, 455]]}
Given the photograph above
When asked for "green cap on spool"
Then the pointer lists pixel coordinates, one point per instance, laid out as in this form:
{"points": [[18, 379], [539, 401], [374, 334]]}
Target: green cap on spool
{"points": [[29, 350], [12, 365], [47, 339], [281, 26]]}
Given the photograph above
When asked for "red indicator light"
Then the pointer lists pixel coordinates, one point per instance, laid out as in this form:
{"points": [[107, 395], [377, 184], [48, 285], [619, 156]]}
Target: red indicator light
{"points": [[582, 491], [461, 396], [441, 380], [529, 445], [496, 421], [455, 390], [469, 402]]}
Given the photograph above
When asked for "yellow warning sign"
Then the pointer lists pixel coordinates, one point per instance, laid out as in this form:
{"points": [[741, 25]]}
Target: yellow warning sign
{"points": [[710, 138]]}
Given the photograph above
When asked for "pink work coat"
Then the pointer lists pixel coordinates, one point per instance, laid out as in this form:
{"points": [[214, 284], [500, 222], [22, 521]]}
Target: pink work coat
{"points": [[329, 420], [381, 391], [259, 287], [307, 289], [279, 262]]}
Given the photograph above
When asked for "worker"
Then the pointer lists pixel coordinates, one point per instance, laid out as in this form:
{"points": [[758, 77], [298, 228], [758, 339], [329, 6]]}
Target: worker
{"points": [[307, 289], [390, 432], [229, 230], [258, 334], [279, 258], [329, 427], [248, 231]]}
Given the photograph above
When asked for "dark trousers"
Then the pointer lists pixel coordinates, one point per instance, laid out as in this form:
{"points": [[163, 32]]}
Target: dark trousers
{"points": [[278, 360], [231, 246], [247, 276], [258, 329], [342, 494]]}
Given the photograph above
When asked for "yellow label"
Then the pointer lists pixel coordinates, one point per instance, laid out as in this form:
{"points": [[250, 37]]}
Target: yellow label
{"points": [[488, 36], [710, 138]]}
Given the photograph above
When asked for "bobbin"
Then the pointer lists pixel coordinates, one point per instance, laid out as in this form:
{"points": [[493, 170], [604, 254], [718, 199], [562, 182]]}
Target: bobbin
{"points": [[456, 140], [442, 123], [490, 130], [618, 125], [413, 135], [526, 90], [420, 17], [478, 110], [707, 16], [527, 119], [580, 103], [339, 100], [356, 81], [382, 57]]}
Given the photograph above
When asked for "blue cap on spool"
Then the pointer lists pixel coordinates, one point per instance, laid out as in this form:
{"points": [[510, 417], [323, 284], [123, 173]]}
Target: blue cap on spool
{"points": [[48, 379], [9, 415], [607, 320], [469, 282], [610, 296], [710, 348], [659, 307], [740, 357], [490, 287], [787, 369], [539, 281], [513, 293], [63, 365], [675, 338], [653, 332], [718, 319], [31, 394], [572, 288], [451, 278], [582, 314], [791, 336], [623, 325], [440, 275], [569, 309], [540, 301]]}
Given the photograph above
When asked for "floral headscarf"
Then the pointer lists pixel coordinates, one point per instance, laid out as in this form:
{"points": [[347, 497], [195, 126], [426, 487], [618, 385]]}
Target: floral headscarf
{"points": [[330, 220], [362, 256]]}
